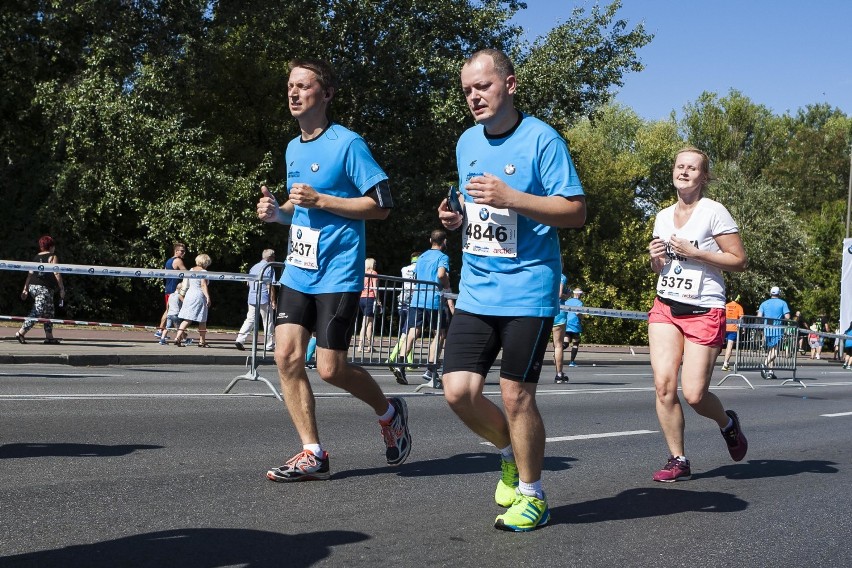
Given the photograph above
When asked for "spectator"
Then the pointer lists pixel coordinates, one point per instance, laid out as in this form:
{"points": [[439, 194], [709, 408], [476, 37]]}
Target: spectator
{"points": [[369, 304], [173, 263], [733, 311], [42, 287], [803, 326], [173, 318], [694, 241], [404, 301], [196, 303], [847, 348], [265, 306]]}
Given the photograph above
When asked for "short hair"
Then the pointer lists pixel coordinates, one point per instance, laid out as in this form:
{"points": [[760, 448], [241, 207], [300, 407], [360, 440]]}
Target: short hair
{"points": [[267, 254], [45, 242], [177, 244], [203, 260], [322, 69], [438, 236], [502, 64]]}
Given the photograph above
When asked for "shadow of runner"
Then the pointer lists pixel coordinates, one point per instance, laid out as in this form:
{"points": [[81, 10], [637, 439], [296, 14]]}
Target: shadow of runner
{"points": [[199, 548], [35, 450], [482, 462], [759, 469], [645, 503]]}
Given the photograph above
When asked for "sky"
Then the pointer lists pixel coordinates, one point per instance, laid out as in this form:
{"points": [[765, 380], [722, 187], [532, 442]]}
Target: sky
{"points": [[782, 54]]}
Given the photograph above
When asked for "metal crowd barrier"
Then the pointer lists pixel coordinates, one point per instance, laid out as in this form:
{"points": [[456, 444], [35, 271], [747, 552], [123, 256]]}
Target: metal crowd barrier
{"points": [[765, 345]]}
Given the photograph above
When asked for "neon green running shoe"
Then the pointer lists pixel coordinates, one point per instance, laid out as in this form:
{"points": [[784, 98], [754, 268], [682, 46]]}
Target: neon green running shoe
{"points": [[525, 514], [504, 495]]}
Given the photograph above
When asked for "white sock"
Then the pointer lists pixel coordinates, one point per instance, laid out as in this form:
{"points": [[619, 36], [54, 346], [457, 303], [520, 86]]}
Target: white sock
{"points": [[507, 453], [681, 458], [531, 489], [388, 415], [316, 449]]}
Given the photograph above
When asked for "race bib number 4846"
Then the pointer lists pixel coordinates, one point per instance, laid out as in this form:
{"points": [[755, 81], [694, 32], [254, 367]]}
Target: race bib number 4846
{"points": [[303, 247], [490, 231]]}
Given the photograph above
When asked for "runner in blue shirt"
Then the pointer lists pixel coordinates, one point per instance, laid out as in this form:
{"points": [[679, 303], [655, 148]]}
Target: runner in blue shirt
{"points": [[518, 185], [774, 309], [334, 185], [573, 326]]}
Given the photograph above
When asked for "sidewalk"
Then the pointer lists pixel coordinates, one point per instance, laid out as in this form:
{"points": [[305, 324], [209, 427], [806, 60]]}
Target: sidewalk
{"points": [[101, 346]]}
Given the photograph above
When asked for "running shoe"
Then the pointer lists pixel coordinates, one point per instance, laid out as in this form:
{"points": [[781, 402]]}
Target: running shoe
{"points": [[734, 437], [396, 434], [674, 470], [163, 341], [725, 367], [304, 466], [399, 374], [525, 514], [428, 375], [572, 364], [158, 333], [504, 495]]}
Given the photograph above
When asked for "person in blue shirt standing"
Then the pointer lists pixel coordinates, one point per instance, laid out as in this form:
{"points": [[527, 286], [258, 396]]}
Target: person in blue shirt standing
{"points": [[334, 185], [518, 185], [774, 309], [573, 326]]}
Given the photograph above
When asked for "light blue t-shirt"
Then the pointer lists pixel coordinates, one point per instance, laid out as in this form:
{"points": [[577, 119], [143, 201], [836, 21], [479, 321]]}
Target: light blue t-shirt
{"points": [[534, 159], [774, 308], [572, 324], [337, 162], [426, 296], [264, 290]]}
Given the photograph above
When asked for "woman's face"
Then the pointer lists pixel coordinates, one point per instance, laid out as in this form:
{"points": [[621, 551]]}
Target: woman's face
{"points": [[688, 174]]}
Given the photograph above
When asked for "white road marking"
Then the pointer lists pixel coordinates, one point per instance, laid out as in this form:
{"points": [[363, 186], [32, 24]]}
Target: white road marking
{"points": [[63, 375], [835, 415], [591, 436]]}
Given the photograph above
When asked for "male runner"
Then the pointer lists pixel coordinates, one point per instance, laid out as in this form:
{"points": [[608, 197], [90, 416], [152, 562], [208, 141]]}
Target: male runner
{"points": [[334, 185], [519, 184]]}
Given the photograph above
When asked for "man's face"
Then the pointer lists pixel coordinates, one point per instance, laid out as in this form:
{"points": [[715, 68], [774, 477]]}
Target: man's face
{"points": [[305, 94], [487, 94]]}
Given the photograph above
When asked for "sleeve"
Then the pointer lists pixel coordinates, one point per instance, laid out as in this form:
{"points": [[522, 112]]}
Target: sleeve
{"points": [[558, 175], [723, 223], [361, 167]]}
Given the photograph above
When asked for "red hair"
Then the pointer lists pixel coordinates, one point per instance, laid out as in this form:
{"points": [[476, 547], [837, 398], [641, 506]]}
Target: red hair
{"points": [[45, 243]]}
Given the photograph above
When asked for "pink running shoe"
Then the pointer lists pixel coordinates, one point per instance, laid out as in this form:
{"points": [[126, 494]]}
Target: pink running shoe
{"points": [[674, 470]]}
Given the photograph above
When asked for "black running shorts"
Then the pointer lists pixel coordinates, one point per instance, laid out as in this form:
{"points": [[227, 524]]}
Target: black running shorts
{"points": [[474, 341], [332, 316]]}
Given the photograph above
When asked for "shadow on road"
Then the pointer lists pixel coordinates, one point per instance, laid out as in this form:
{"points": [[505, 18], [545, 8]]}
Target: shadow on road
{"points": [[645, 503], [759, 469], [453, 465], [13, 451], [199, 548]]}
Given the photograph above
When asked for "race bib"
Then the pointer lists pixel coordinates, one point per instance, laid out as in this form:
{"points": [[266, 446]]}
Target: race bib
{"points": [[303, 247], [680, 280], [490, 231]]}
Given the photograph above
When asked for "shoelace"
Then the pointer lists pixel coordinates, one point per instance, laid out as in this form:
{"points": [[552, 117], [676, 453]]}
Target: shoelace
{"points": [[732, 435], [508, 475], [673, 463], [391, 431], [303, 456]]}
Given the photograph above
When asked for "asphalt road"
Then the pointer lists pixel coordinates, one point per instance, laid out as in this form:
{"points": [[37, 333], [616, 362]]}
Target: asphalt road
{"points": [[153, 467]]}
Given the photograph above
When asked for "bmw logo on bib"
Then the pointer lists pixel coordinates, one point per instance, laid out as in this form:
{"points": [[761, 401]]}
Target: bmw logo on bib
{"points": [[678, 269], [299, 234], [314, 167], [509, 169], [850, 249], [483, 214]]}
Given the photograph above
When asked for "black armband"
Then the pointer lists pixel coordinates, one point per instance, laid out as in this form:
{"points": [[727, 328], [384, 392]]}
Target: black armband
{"points": [[383, 194]]}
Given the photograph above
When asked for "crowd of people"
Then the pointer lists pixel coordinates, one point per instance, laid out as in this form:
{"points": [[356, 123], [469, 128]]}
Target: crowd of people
{"points": [[517, 186]]}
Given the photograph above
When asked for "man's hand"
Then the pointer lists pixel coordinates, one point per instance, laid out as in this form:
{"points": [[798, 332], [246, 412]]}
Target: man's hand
{"points": [[267, 207]]}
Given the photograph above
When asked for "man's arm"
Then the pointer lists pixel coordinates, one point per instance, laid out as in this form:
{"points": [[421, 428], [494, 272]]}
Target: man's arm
{"points": [[376, 204]]}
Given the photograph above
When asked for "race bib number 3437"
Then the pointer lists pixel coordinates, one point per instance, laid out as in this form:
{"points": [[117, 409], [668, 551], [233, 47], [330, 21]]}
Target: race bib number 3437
{"points": [[303, 247]]}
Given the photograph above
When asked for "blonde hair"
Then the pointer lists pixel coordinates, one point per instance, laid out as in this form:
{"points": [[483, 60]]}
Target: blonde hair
{"points": [[370, 264], [705, 159], [203, 260]]}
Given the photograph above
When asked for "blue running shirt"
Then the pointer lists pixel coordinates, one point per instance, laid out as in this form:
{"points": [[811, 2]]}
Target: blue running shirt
{"points": [[532, 158], [425, 296], [337, 162]]}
